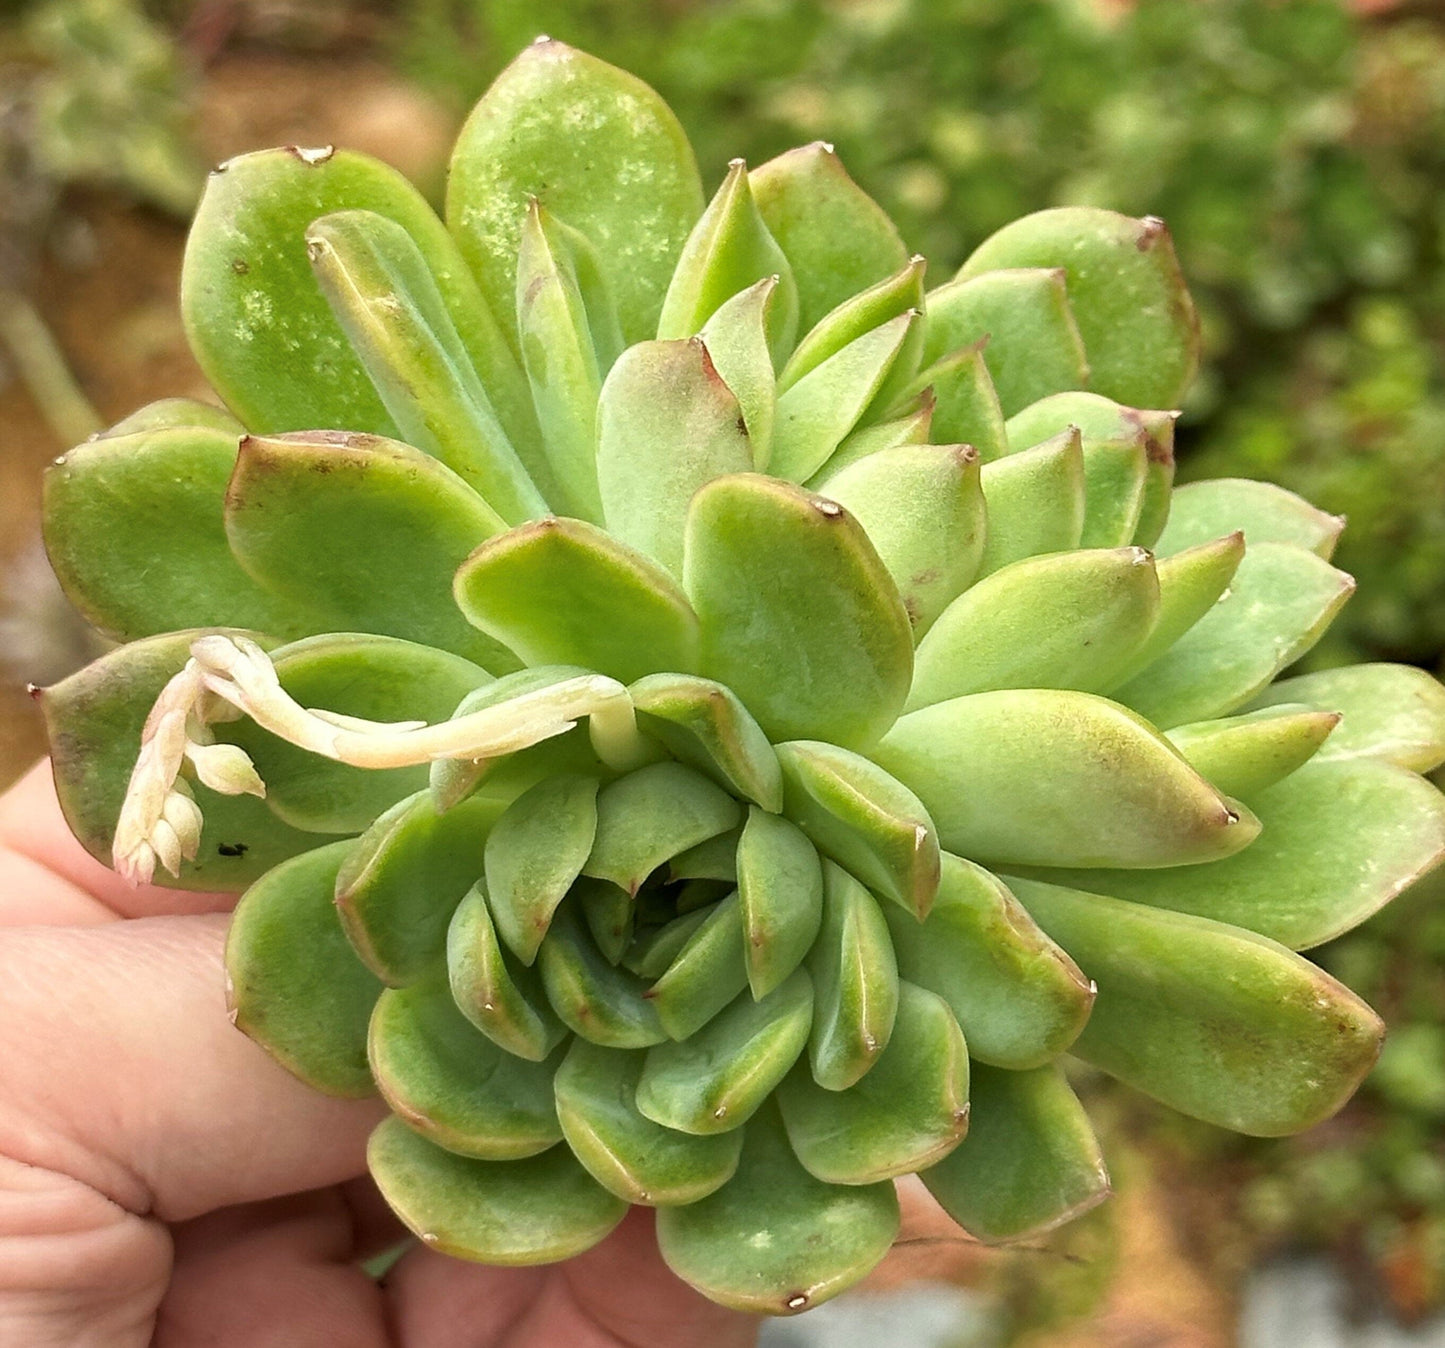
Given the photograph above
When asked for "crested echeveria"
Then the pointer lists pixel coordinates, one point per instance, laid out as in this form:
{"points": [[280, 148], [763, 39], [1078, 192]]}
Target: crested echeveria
{"points": [[707, 722]]}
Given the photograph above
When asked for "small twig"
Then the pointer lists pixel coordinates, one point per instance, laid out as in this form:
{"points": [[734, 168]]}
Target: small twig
{"points": [[45, 372]]}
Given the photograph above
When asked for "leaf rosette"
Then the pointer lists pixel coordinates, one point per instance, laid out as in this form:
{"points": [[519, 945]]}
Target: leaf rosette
{"points": [[702, 721]]}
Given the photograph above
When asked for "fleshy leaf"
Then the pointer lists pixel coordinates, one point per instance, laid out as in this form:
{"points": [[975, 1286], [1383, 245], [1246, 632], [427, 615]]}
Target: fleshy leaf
{"points": [[911, 428], [366, 530], [706, 974], [601, 151], [296, 986], [780, 884], [533, 1211], [1264, 512], [1052, 777], [398, 890], [1034, 501], [259, 325], [453, 1085], [705, 725], [638, 1160], [1244, 755], [715, 859], [814, 415], [652, 814], [502, 999], [907, 1113], [167, 414], [94, 720], [666, 425], [560, 591], [838, 239], [868, 822], [729, 250], [1212, 1020], [604, 1004], [534, 853], [922, 507], [718, 1078], [1020, 1000], [1393, 712], [855, 977], [1030, 1161], [736, 338], [966, 408], [799, 617], [1279, 604], [135, 532], [387, 302], [1064, 620], [1124, 285], [1034, 345], [375, 678], [774, 1240], [1339, 840], [560, 357]]}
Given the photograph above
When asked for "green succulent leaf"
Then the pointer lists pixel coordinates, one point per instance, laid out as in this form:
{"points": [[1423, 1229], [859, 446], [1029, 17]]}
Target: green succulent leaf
{"points": [[1034, 344], [598, 149], [837, 238], [667, 425], [855, 977], [365, 530], [909, 1111], [383, 295], [534, 1211], [780, 886], [736, 338], [729, 250], [533, 854], [815, 414], [717, 1079], [94, 720], [798, 615], [706, 726], [561, 591], [638, 1160], [1244, 755], [296, 986], [1212, 1020], [706, 975], [561, 359], [452, 1084], [1063, 620], [654, 950], [1339, 839], [1127, 294], [912, 428], [257, 322], [1030, 1161], [865, 820], [502, 998], [858, 315], [376, 678], [1019, 999], [1035, 501], [135, 532], [652, 814], [1392, 712], [610, 914], [922, 508], [1264, 512], [966, 408], [715, 859], [1278, 605], [166, 414], [399, 888], [604, 1004], [1051, 777]]}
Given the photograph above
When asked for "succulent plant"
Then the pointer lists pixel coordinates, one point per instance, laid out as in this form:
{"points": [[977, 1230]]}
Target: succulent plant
{"points": [[707, 724]]}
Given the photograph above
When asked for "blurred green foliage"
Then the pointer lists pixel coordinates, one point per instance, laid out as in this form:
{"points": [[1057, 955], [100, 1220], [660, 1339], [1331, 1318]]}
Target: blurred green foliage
{"points": [[1297, 151]]}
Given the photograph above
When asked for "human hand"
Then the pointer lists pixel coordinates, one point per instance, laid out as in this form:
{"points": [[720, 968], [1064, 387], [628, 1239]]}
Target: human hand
{"points": [[164, 1182]]}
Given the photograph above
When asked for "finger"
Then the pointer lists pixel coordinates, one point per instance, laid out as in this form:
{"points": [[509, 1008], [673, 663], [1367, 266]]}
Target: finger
{"points": [[32, 826], [619, 1294], [279, 1274]]}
